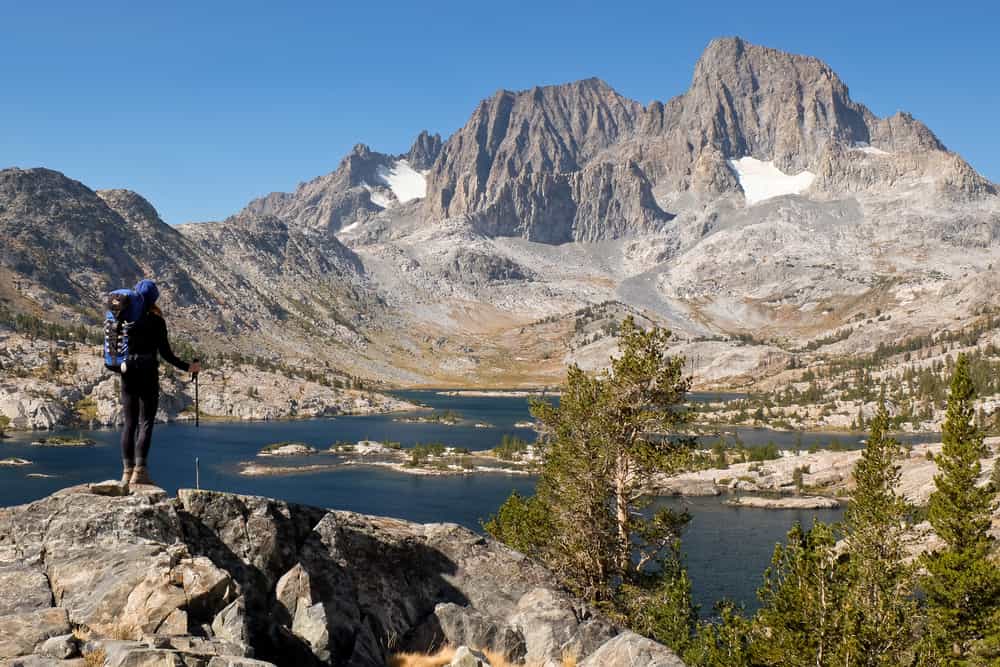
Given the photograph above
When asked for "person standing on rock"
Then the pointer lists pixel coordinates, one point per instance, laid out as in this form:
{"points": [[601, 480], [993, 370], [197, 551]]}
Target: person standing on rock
{"points": [[141, 384]]}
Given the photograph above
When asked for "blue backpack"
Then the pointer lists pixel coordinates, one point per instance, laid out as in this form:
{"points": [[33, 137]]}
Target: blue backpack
{"points": [[124, 308]]}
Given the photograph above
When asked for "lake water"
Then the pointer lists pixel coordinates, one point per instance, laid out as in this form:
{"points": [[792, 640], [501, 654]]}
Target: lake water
{"points": [[727, 549]]}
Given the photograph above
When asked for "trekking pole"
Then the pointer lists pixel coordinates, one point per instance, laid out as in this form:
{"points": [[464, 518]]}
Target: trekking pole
{"points": [[197, 408], [197, 473]]}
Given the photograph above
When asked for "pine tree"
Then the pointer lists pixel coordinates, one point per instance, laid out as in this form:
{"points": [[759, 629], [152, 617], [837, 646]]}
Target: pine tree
{"points": [[724, 642], [879, 609], [801, 621], [586, 520], [962, 585]]}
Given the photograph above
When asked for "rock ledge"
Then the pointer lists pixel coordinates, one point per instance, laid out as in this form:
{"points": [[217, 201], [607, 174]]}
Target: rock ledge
{"points": [[213, 579]]}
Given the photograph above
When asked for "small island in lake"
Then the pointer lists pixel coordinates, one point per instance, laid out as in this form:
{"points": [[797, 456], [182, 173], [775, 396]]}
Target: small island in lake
{"points": [[287, 449], [60, 441], [512, 456], [14, 461], [446, 418]]}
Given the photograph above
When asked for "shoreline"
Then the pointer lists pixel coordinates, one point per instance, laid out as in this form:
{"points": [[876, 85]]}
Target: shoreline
{"points": [[11, 433]]}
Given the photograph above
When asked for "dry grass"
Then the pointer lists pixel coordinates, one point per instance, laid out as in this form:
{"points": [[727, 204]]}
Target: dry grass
{"points": [[446, 654], [124, 631], [95, 658], [442, 657]]}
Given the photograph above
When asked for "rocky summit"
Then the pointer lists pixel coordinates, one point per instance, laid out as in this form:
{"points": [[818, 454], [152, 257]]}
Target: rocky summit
{"points": [[221, 580], [755, 214]]}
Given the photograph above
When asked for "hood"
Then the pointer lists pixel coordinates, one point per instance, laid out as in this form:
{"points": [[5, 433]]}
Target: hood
{"points": [[149, 291]]}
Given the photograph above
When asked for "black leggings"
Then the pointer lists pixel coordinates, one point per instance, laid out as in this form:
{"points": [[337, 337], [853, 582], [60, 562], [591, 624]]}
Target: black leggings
{"points": [[140, 398]]}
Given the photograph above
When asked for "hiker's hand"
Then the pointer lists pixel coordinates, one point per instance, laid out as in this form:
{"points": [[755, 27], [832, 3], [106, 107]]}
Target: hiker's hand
{"points": [[195, 367]]}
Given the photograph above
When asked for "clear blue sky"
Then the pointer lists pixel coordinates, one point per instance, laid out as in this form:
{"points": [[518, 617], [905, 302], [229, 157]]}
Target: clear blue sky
{"points": [[203, 106]]}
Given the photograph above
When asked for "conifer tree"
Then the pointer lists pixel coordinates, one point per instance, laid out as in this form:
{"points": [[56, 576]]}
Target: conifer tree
{"points": [[724, 642], [879, 608], [801, 622], [601, 445], [962, 585]]}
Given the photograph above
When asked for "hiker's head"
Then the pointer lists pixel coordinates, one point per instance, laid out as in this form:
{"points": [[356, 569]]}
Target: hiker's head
{"points": [[149, 292]]}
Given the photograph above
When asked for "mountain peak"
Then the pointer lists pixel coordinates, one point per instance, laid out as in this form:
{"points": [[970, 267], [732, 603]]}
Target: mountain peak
{"points": [[424, 151], [131, 206], [725, 52]]}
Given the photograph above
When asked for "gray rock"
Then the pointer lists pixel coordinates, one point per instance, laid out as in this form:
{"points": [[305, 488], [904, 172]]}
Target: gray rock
{"points": [[312, 624], [554, 625], [230, 661], [206, 587], [631, 650], [21, 633], [146, 657], [60, 646], [199, 646], [175, 624], [114, 649], [230, 624], [44, 661], [293, 589], [23, 589], [458, 626]]}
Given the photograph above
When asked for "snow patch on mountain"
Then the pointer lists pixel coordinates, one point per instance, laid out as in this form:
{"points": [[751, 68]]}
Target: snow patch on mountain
{"points": [[405, 182], [377, 197], [762, 180], [866, 148], [354, 225]]}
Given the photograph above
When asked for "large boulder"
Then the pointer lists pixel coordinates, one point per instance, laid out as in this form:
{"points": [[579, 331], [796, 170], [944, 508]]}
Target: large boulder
{"points": [[631, 650], [20, 634]]}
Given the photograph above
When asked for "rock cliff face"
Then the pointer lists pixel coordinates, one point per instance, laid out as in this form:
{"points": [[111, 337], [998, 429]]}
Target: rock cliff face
{"points": [[551, 129], [216, 579]]}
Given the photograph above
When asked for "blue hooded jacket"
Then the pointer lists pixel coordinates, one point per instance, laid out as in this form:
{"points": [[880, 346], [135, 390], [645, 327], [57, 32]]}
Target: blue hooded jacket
{"points": [[149, 292]]}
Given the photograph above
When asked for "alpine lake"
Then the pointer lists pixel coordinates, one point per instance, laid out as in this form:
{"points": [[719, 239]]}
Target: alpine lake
{"points": [[726, 548]]}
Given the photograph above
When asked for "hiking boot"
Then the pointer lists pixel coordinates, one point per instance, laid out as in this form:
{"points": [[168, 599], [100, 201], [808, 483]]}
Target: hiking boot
{"points": [[127, 476], [141, 476]]}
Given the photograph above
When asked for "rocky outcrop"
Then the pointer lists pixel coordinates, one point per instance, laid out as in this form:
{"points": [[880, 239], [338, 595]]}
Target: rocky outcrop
{"points": [[826, 471], [785, 502], [473, 267], [211, 578], [425, 151]]}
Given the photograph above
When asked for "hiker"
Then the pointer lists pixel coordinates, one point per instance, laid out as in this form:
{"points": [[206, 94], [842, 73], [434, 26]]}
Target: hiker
{"points": [[141, 384]]}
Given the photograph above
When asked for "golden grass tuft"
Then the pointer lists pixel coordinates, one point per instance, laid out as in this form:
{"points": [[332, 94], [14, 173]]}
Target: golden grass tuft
{"points": [[95, 658], [442, 657], [124, 631]]}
